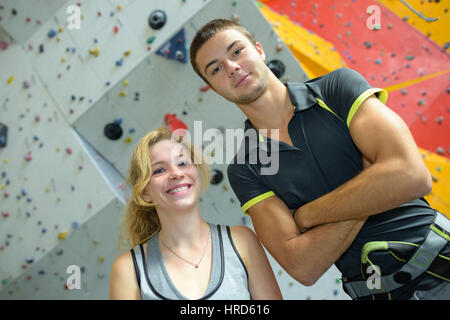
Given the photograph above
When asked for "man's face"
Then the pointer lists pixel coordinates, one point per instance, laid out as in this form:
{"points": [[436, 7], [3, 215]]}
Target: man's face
{"points": [[233, 66]]}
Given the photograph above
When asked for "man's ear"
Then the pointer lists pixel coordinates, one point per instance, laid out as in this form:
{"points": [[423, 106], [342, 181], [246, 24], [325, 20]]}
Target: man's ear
{"points": [[260, 50], [212, 88]]}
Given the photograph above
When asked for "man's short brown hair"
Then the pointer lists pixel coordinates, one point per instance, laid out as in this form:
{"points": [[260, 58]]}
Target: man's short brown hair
{"points": [[208, 31]]}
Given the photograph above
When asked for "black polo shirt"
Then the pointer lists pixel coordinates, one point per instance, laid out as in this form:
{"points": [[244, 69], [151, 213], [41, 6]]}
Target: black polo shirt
{"points": [[322, 158]]}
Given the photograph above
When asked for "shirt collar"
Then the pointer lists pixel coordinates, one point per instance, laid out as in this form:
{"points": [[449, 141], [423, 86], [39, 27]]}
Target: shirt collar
{"points": [[302, 98]]}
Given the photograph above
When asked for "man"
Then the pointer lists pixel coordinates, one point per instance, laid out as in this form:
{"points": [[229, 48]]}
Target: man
{"points": [[350, 182]]}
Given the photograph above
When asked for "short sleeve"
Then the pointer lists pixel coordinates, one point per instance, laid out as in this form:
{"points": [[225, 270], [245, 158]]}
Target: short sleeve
{"points": [[247, 185], [343, 91]]}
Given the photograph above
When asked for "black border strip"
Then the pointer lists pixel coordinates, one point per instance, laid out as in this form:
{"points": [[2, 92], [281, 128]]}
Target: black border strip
{"points": [[136, 268]]}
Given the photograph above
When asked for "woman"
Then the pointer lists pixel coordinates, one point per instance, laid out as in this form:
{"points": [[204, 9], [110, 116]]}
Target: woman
{"points": [[176, 254]]}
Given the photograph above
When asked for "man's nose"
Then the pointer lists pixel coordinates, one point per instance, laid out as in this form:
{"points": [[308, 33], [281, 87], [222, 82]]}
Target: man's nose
{"points": [[231, 67]]}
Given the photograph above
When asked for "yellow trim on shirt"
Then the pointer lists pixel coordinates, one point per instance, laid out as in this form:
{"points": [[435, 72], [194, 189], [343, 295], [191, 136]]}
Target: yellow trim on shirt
{"points": [[323, 105], [255, 200], [382, 96]]}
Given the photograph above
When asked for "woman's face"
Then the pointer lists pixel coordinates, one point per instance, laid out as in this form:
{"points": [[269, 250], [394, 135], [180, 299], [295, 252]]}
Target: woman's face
{"points": [[175, 182]]}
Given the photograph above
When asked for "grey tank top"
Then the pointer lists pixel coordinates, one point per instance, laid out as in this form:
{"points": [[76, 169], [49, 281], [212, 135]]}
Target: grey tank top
{"points": [[228, 280]]}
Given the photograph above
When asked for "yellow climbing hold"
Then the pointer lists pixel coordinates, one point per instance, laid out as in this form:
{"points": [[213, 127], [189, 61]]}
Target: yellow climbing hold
{"points": [[10, 80], [95, 51], [62, 235]]}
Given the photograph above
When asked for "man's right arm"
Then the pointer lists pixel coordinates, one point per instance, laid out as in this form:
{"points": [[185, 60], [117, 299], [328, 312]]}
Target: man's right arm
{"points": [[306, 257]]}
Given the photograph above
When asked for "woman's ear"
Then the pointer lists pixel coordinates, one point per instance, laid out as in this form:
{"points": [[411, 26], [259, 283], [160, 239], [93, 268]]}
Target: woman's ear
{"points": [[146, 197]]}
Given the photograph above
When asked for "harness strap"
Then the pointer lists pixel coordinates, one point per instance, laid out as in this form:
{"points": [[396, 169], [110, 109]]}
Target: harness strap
{"points": [[437, 238]]}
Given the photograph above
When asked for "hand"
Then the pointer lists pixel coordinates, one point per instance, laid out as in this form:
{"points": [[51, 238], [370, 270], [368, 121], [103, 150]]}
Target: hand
{"points": [[298, 220]]}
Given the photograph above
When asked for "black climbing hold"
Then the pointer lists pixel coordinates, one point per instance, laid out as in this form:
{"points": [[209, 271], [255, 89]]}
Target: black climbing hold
{"points": [[3, 135], [277, 67], [157, 19], [216, 176], [113, 131]]}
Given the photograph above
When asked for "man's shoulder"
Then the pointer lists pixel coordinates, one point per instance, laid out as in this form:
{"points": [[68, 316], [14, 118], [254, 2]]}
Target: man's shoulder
{"points": [[338, 74]]}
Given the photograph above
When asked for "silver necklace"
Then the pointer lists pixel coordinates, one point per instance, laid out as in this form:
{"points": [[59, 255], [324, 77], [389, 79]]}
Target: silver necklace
{"points": [[196, 265]]}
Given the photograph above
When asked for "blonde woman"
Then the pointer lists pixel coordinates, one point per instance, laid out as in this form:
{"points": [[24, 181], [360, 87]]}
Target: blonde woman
{"points": [[176, 254]]}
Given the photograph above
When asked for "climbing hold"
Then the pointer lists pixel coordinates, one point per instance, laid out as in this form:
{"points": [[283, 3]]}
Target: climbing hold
{"points": [[422, 102], [4, 45], [68, 151], [119, 62], [440, 150], [439, 119], [116, 29], [175, 124], [279, 47], [62, 235], [113, 131], [205, 88], [52, 33], [216, 176], [3, 135], [175, 48], [10, 80], [179, 55], [277, 67], [28, 156], [95, 51], [157, 19]]}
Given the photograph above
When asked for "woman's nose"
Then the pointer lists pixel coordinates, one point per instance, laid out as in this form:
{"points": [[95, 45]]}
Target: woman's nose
{"points": [[176, 173]]}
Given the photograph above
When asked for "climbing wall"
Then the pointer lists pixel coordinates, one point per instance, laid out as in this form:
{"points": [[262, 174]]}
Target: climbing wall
{"points": [[414, 68], [76, 94]]}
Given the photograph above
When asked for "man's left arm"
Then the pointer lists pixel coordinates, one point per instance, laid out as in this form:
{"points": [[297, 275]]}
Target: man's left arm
{"points": [[394, 172]]}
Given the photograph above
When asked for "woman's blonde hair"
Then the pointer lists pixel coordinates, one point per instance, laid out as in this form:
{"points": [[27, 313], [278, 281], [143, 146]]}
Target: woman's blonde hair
{"points": [[141, 220]]}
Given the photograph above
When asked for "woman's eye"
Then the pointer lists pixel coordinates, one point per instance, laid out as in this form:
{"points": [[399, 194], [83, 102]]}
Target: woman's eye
{"points": [[237, 52]]}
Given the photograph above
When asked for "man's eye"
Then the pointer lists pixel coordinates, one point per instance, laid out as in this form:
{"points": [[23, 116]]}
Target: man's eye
{"points": [[237, 52], [160, 170], [216, 69]]}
